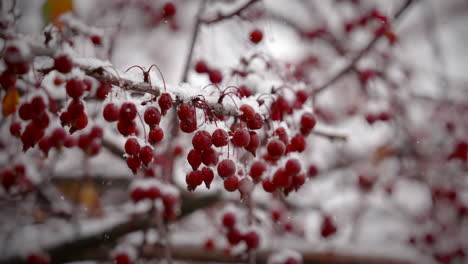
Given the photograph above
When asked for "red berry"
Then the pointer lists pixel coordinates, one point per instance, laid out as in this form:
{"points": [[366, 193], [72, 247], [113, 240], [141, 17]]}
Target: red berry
{"points": [[207, 175], [210, 157], [37, 105], [169, 10], [229, 220], [247, 112], [75, 109], [63, 64], [188, 127], [103, 90], [253, 143], [25, 111], [220, 138], [84, 140], [152, 116], [268, 185], [42, 120], [201, 67], [282, 134], [256, 122], [80, 123], [20, 169], [153, 193], [281, 179], [75, 88], [155, 135], [226, 168], [15, 129], [96, 40], [298, 143], [193, 179], [313, 171], [231, 184], [94, 148], [252, 240], [301, 97], [128, 112], [146, 154], [328, 227], [292, 167], [307, 123], [165, 102], [234, 236], [134, 163], [7, 80], [257, 169], [122, 258], [126, 128], [209, 244], [276, 148], [201, 140], [246, 186], [215, 76], [256, 36], [111, 113], [241, 138], [69, 142], [194, 158], [96, 132], [8, 179], [132, 147], [186, 112]]}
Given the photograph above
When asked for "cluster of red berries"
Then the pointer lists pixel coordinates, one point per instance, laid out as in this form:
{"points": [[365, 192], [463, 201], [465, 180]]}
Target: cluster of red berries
{"points": [[17, 63], [154, 192], [187, 115], [214, 75], [16, 177], [382, 23], [137, 155], [371, 118], [35, 112], [282, 107], [286, 179], [234, 236], [280, 217], [75, 116]]}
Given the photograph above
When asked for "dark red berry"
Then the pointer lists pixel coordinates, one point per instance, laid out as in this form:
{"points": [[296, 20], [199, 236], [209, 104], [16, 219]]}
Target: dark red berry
{"points": [[231, 184], [226, 168], [155, 135], [220, 138], [201, 67], [103, 90], [146, 154], [126, 128], [134, 163], [241, 138], [308, 122], [257, 169], [137, 194], [292, 167], [8, 179], [268, 185], [96, 40], [298, 143], [201, 140], [256, 36], [328, 227], [15, 129], [63, 64], [186, 112], [128, 112], [193, 179], [234, 236], [229, 220], [111, 113], [252, 240], [247, 112], [132, 147], [165, 102], [256, 122], [7, 80], [276, 148], [215, 76], [253, 143], [210, 157], [207, 175], [152, 116], [169, 10], [194, 158], [75, 88]]}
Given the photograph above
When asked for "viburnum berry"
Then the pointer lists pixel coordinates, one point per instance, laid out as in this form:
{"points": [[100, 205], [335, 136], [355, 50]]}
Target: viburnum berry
{"points": [[276, 148], [253, 143], [256, 36], [128, 112], [96, 40], [188, 127], [207, 176], [193, 179], [152, 116], [75, 109], [234, 236], [241, 138], [132, 147], [75, 88], [7, 80], [313, 171], [298, 143], [215, 76], [165, 102], [229, 220], [15, 129], [231, 184], [103, 90], [63, 64], [226, 168], [257, 169], [80, 123], [186, 112], [146, 154], [126, 128], [308, 122], [111, 113], [252, 240], [155, 135], [268, 185], [194, 158], [209, 156], [247, 112], [256, 122], [169, 10], [281, 179], [96, 132], [84, 140], [292, 167], [38, 105], [220, 137], [134, 163], [201, 67], [201, 140], [328, 227]]}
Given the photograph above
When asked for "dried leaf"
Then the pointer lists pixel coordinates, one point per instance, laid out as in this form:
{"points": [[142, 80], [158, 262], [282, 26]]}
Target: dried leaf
{"points": [[10, 101], [52, 9]]}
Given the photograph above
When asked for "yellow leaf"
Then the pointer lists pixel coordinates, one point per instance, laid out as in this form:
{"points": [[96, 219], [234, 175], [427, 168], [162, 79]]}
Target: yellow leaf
{"points": [[89, 196], [52, 10], [10, 101]]}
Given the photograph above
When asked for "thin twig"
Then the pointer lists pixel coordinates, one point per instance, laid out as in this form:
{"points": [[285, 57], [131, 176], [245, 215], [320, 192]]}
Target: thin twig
{"points": [[222, 17]]}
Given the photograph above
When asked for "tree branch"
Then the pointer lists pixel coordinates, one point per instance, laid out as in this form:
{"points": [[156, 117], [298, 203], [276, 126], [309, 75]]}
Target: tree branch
{"points": [[222, 17]]}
